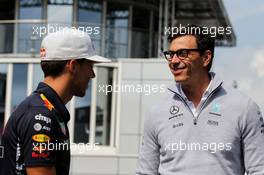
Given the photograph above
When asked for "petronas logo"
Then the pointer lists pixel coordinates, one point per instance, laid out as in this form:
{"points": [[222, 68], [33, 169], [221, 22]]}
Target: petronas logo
{"points": [[216, 108]]}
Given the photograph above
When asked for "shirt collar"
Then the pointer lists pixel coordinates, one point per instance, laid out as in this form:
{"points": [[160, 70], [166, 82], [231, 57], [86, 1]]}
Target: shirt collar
{"points": [[214, 83], [206, 92], [54, 98]]}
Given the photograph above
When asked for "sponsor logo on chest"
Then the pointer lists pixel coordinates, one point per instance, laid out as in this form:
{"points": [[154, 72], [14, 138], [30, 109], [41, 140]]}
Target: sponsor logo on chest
{"points": [[43, 118]]}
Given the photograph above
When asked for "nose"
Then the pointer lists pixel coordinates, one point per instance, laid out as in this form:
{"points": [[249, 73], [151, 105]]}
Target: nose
{"points": [[175, 59], [93, 74]]}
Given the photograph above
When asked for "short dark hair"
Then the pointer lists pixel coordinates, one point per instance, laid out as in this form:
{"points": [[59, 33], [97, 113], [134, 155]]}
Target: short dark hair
{"points": [[204, 40], [56, 68]]}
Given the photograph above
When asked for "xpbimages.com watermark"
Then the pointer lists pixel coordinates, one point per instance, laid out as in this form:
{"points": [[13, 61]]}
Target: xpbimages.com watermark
{"points": [[213, 31], [212, 147], [43, 149], [60, 146], [146, 89], [40, 31]]}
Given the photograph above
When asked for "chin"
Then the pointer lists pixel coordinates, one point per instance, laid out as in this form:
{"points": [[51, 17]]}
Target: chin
{"points": [[180, 79], [80, 94]]}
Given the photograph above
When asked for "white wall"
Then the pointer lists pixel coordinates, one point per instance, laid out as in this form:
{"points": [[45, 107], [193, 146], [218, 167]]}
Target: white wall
{"points": [[133, 106]]}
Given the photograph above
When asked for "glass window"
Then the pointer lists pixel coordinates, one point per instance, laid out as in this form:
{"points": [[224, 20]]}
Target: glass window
{"points": [[3, 73], [89, 19], [103, 107], [38, 76], [6, 38], [117, 30], [154, 49], [28, 9], [60, 12], [19, 86], [90, 11], [140, 33], [7, 12], [82, 117]]}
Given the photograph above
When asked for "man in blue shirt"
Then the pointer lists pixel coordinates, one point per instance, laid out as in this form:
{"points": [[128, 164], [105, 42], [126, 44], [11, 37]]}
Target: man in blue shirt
{"points": [[36, 137]]}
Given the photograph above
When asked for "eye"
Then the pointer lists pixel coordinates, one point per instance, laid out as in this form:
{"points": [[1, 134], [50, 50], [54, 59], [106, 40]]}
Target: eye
{"points": [[171, 54], [182, 53]]}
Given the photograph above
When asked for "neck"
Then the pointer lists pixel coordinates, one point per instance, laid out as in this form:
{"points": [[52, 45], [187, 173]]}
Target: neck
{"points": [[59, 85], [195, 88]]}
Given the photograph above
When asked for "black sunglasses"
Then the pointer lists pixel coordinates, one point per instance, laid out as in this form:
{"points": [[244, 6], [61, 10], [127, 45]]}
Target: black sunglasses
{"points": [[181, 54]]}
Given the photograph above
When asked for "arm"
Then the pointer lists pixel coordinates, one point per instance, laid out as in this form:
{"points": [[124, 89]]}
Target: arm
{"points": [[35, 141], [41, 170], [253, 140], [148, 162]]}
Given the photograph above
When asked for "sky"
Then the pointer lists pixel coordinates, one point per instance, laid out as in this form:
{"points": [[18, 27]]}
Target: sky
{"points": [[244, 63]]}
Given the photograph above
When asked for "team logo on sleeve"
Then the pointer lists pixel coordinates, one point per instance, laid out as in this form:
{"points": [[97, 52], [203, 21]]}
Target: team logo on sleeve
{"points": [[47, 103], [40, 138], [37, 127], [42, 52]]}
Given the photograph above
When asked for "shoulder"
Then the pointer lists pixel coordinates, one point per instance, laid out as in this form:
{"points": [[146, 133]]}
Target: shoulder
{"points": [[234, 95], [30, 109], [159, 106], [238, 100], [32, 103]]}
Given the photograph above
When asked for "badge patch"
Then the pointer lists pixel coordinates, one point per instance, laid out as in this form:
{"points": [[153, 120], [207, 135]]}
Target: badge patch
{"points": [[216, 108], [39, 148], [43, 118], [41, 155], [37, 126], [46, 128], [40, 138], [46, 102], [212, 122], [177, 125], [42, 52], [174, 110]]}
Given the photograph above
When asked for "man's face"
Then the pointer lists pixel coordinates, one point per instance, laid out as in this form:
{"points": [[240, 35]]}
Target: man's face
{"points": [[190, 64], [84, 72]]}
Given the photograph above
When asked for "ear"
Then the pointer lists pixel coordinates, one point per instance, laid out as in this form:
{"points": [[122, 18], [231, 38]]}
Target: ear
{"points": [[207, 56], [71, 66]]}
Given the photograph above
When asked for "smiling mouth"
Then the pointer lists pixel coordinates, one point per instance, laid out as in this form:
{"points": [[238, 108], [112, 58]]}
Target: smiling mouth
{"points": [[177, 68]]}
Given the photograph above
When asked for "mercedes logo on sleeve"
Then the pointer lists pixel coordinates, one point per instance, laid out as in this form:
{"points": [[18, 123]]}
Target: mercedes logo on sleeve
{"points": [[174, 110]]}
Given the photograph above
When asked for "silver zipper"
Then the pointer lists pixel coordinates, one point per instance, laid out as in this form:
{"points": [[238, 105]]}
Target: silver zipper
{"points": [[195, 119]]}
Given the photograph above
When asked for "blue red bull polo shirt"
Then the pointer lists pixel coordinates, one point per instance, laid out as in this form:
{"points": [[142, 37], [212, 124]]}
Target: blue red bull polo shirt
{"points": [[36, 134]]}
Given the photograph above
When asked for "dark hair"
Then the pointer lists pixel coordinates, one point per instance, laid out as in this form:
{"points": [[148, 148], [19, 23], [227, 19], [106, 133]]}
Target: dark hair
{"points": [[56, 68], [204, 40]]}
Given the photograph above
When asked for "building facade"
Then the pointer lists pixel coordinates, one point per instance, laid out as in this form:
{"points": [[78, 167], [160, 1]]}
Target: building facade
{"points": [[106, 125]]}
